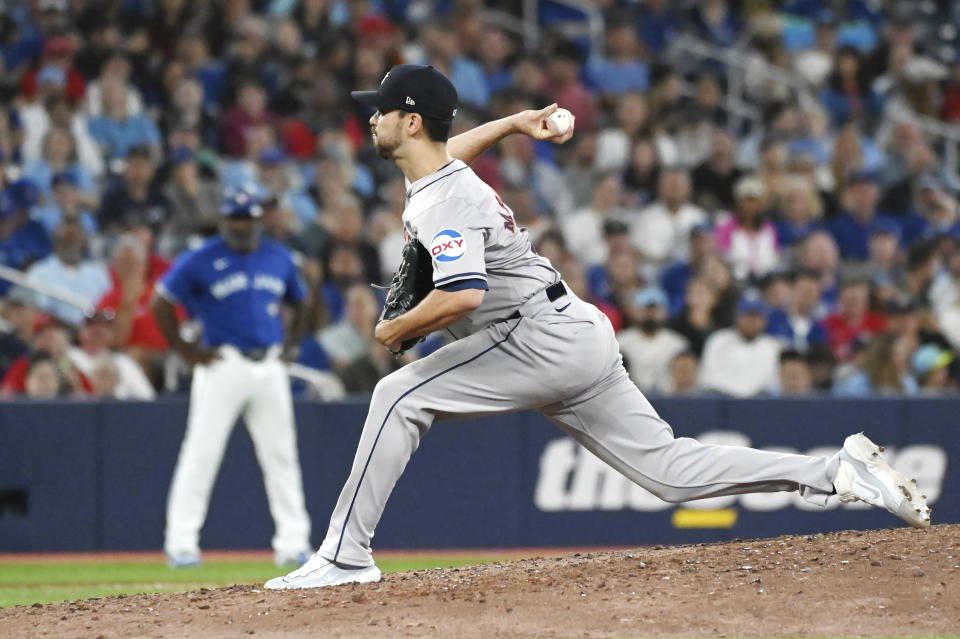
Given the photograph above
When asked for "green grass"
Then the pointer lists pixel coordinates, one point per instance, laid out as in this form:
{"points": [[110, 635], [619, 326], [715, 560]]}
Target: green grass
{"points": [[29, 583]]}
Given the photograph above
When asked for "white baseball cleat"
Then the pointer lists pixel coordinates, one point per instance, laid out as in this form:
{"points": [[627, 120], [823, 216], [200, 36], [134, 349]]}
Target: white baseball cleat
{"points": [[865, 475], [319, 572]]}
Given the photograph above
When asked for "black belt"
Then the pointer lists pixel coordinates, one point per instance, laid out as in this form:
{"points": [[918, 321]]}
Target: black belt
{"points": [[255, 354], [554, 292]]}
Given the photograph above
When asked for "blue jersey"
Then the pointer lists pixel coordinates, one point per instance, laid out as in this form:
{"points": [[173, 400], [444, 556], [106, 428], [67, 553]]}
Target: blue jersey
{"points": [[236, 296]]}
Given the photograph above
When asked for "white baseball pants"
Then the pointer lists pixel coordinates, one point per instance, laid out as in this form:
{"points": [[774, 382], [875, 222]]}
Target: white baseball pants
{"points": [[220, 392], [565, 362]]}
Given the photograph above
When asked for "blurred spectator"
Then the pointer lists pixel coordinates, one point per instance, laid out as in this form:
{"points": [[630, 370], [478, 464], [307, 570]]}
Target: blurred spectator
{"points": [[134, 272], [67, 201], [643, 172], [744, 237], [117, 131], [931, 364], [853, 318], [70, 270], [713, 180], [684, 376], [117, 67], [852, 229], [282, 182], [583, 230], [847, 94], [350, 346], [648, 346], [22, 241], [44, 380], [799, 212], [194, 202], [134, 199], [614, 143], [696, 322], [676, 276], [797, 319], [17, 318], [444, 52], [818, 254], [564, 87], [96, 338], [659, 229], [622, 68], [795, 375], [742, 361], [816, 63], [249, 112], [886, 370], [51, 341]]}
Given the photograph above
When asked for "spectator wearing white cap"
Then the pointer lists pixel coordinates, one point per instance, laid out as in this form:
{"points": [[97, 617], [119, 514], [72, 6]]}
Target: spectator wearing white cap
{"points": [[647, 346], [742, 361], [744, 237]]}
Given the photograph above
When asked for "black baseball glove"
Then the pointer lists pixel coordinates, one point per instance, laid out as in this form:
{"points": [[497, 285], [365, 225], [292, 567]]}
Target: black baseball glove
{"points": [[412, 282]]}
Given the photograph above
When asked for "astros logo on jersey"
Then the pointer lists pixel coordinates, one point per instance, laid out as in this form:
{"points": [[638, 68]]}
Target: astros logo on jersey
{"points": [[447, 246]]}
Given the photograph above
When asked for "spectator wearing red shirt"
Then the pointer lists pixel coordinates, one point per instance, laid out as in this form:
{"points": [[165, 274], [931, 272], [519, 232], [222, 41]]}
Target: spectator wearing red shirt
{"points": [[57, 51], [249, 112], [51, 342], [852, 319], [134, 271]]}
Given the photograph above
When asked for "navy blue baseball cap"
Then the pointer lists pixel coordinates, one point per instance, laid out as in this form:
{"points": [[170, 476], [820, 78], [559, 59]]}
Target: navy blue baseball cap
{"points": [[752, 305], [414, 88], [242, 202], [181, 155]]}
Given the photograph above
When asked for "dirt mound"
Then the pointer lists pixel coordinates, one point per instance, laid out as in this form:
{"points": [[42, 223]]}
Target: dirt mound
{"points": [[875, 583]]}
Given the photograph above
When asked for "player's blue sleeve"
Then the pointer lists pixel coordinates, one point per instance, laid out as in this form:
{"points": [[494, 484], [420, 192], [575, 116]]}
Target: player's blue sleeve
{"points": [[177, 285], [296, 288]]}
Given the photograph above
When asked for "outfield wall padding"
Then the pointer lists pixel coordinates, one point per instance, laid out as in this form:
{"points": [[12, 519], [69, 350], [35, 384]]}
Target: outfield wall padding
{"points": [[95, 476]]}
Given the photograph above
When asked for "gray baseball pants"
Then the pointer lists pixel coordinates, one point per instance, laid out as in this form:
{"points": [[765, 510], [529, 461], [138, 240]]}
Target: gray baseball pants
{"points": [[566, 364]]}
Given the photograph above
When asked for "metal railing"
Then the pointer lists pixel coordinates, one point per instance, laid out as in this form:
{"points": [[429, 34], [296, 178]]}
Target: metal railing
{"points": [[738, 64]]}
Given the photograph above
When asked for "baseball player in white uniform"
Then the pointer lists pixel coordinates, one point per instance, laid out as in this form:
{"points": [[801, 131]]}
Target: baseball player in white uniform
{"points": [[234, 284], [523, 341]]}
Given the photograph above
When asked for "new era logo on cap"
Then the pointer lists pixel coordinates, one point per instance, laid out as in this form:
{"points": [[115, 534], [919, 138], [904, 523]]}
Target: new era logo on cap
{"points": [[410, 101]]}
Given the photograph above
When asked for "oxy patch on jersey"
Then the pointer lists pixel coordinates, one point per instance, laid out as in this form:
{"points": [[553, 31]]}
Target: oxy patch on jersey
{"points": [[448, 246]]}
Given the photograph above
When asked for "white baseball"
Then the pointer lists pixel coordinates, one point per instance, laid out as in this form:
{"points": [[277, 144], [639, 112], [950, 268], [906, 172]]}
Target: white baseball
{"points": [[561, 119]]}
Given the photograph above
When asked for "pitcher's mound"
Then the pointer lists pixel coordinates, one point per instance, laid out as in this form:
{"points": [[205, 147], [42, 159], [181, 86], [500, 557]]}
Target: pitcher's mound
{"points": [[875, 583]]}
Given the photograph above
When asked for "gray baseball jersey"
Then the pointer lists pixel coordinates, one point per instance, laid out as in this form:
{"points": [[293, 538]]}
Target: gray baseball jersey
{"points": [[532, 344], [472, 237]]}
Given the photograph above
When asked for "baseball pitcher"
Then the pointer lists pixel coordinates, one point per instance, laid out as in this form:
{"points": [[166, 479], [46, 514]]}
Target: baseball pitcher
{"points": [[525, 341], [235, 285]]}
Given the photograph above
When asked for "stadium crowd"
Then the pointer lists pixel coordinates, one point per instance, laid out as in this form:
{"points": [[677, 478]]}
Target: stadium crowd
{"points": [[814, 248]]}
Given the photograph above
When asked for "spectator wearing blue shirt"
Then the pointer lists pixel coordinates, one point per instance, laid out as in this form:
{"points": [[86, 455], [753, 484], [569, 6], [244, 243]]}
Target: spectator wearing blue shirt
{"points": [[657, 24], [494, 52], [847, 95], [795, 315], [67, 200], [115, 131], [621, 69], [23, 241], [675, 277], [853, 227], [444, 52], [59, 155]]}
